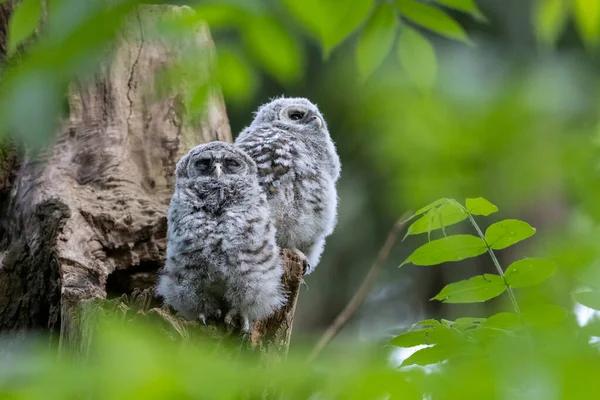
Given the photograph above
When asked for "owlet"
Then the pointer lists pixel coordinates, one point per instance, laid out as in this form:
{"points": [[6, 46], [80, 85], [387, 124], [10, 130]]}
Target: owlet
{"points": [[298, 168], [221, 250]]}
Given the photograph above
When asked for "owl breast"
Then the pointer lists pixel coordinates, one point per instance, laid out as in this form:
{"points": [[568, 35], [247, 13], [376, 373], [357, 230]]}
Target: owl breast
{"points": [[297, 193]]}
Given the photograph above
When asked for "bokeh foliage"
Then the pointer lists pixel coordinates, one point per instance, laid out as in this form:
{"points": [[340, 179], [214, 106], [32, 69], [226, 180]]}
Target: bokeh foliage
{"points": [[437, 113]]}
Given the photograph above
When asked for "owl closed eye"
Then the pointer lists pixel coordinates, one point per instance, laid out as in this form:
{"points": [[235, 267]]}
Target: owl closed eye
{"points": [[232, 166], [215, 160]]}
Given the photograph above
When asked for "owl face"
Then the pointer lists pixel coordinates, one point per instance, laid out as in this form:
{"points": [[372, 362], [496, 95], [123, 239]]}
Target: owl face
{"points": [[215, 160], [294, 113]]}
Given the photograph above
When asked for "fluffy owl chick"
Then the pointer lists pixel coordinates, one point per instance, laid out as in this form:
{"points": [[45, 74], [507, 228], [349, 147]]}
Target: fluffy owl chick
{"points": [[298, 168], [221, 248]]}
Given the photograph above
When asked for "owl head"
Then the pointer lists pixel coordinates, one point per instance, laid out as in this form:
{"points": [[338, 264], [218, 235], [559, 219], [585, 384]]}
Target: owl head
{"points": [[215, 160], [292, 112]]}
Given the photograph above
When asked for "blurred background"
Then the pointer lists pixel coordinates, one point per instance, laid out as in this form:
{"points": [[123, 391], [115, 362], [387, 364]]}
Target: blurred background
{"points": [[461, 99]]}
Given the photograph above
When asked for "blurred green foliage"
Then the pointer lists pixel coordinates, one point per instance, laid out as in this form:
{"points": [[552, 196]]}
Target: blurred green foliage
{"points": [[537, 351]]}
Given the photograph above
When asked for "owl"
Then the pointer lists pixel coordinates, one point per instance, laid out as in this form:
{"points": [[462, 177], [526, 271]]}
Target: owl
{"points": [[222, 255], [298, 168]]}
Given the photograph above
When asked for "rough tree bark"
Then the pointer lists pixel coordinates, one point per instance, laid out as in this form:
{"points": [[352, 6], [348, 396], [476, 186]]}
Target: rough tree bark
{"points": [[88, 218]]}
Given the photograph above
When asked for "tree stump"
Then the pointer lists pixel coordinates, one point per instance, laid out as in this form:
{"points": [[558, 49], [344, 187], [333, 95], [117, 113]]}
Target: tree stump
{"points": [[87, 219]]}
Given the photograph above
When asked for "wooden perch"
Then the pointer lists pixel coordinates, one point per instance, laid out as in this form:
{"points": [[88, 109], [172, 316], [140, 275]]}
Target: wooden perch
{"points": [[89, 219]]}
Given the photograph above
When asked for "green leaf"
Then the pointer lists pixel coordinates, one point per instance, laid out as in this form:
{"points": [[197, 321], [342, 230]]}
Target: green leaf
{"points": [[216, 16], [505, 233], [432, 18], [236, 78], [330, 21], [503, 321], [428, 207], [429, 323], [476, 289], [549, 19], [480, 206], [468, 323], [417, 58], [447, 214], [544, 314], [376, 39], [529, 272], [23, 22], [276, 50], [438, 334], [412, 338], [451, 248], [467, 6], [431, 355], [589, 299], [587, 18]]}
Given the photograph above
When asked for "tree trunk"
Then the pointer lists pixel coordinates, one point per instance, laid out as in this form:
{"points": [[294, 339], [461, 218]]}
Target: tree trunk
{"points": [[88, 218], [5, 13]]}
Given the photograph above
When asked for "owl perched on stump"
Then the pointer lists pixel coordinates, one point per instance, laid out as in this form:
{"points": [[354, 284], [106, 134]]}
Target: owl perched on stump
{"points": [[298, 168], [222, 256]]}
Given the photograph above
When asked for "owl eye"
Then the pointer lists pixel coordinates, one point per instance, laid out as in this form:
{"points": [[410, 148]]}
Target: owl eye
{"points": [[232, 164], [202, 163], [296, 115]]}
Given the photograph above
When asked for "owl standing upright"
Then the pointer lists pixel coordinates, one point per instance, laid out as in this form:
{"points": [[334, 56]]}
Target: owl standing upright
{"points": [[221, 250], [298, 168]]}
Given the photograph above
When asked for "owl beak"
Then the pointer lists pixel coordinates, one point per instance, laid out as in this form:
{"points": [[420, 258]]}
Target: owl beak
{"points": [[319, 121], [218, 170]]}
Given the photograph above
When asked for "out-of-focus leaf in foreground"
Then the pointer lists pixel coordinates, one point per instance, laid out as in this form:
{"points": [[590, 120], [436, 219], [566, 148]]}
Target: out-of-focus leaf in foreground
{"points": [[73, 45], [431, 18], [467, 6], [550, 19], [23, 22], [587, 18], [278, 52], [376, 39], [417, 57], [330, 21]]}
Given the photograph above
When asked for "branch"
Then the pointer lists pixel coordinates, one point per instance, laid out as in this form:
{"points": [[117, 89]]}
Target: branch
{"points": [[364, 289]]}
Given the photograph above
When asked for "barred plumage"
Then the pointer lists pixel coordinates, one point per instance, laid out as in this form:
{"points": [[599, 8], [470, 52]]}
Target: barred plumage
{"points": [[221, 249], [298, 168]]}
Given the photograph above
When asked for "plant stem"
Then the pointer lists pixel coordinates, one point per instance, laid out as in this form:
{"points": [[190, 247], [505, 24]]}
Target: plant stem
{"points": [[511, 294], [363, 291]]}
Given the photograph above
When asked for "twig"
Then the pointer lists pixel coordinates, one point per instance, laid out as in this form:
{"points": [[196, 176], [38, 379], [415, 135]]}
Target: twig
{"points": [[364, 289]]}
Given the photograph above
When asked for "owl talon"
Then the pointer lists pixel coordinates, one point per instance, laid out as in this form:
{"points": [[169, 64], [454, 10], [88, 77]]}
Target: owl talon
{"points": [[303, 283], [304, 259], [229, 317], [245, 325], [244, 321], [305, 267]]}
